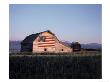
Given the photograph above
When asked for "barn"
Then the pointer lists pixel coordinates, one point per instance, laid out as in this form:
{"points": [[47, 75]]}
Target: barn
{"points": [[45, 41]]}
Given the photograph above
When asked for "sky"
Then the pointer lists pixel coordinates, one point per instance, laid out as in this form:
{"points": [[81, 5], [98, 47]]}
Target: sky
{"points": [[69, 22]]}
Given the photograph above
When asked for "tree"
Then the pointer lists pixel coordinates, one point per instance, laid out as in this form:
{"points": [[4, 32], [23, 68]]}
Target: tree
{"points": [[76, 46]]}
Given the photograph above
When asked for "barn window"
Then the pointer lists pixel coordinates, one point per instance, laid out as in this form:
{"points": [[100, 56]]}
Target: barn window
{"points": [[45, 49], [61, 49]]}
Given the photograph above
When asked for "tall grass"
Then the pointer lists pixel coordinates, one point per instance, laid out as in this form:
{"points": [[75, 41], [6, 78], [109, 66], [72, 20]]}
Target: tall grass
{"points": [[55, 66]]}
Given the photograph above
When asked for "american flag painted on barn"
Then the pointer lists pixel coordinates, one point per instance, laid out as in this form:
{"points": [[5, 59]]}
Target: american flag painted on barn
{"points": [[46, 41]]}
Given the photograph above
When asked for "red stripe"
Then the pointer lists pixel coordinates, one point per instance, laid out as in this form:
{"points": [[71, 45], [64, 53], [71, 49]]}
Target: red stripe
{"points": [[48, 37], [46, 45], [49, 40]]}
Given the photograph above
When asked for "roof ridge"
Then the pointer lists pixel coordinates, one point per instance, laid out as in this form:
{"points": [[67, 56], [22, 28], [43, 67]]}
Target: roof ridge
{"points": [[48, 32]]}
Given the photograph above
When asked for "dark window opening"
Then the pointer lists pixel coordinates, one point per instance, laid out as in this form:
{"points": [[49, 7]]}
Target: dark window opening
{"points": [[45, 49], [41, 39]]}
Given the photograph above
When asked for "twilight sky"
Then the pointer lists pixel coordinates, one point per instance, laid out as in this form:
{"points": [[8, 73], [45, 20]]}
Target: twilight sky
{"points": [[69, 22]]}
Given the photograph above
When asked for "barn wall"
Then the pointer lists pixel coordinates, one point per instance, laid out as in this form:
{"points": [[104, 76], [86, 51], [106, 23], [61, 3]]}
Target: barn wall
{"points": [[62, 48], [57, 48], [42, 49]]}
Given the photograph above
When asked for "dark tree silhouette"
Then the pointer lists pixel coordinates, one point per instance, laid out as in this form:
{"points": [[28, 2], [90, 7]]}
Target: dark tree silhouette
{"points": [[76, 46]]}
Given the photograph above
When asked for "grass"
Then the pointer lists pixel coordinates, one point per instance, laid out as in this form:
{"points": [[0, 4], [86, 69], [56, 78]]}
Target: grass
{"points": [[81, 53], [55, 66]]}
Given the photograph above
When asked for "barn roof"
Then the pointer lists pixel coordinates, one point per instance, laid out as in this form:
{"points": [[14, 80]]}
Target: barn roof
{"points": [[32, 37], [65, 44]]}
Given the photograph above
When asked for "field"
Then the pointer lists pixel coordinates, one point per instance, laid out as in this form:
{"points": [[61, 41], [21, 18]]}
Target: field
{"points": [[55, 66]]}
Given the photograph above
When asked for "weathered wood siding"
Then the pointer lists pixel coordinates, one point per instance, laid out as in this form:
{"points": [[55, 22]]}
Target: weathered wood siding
{"points": [[51, 44]]}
